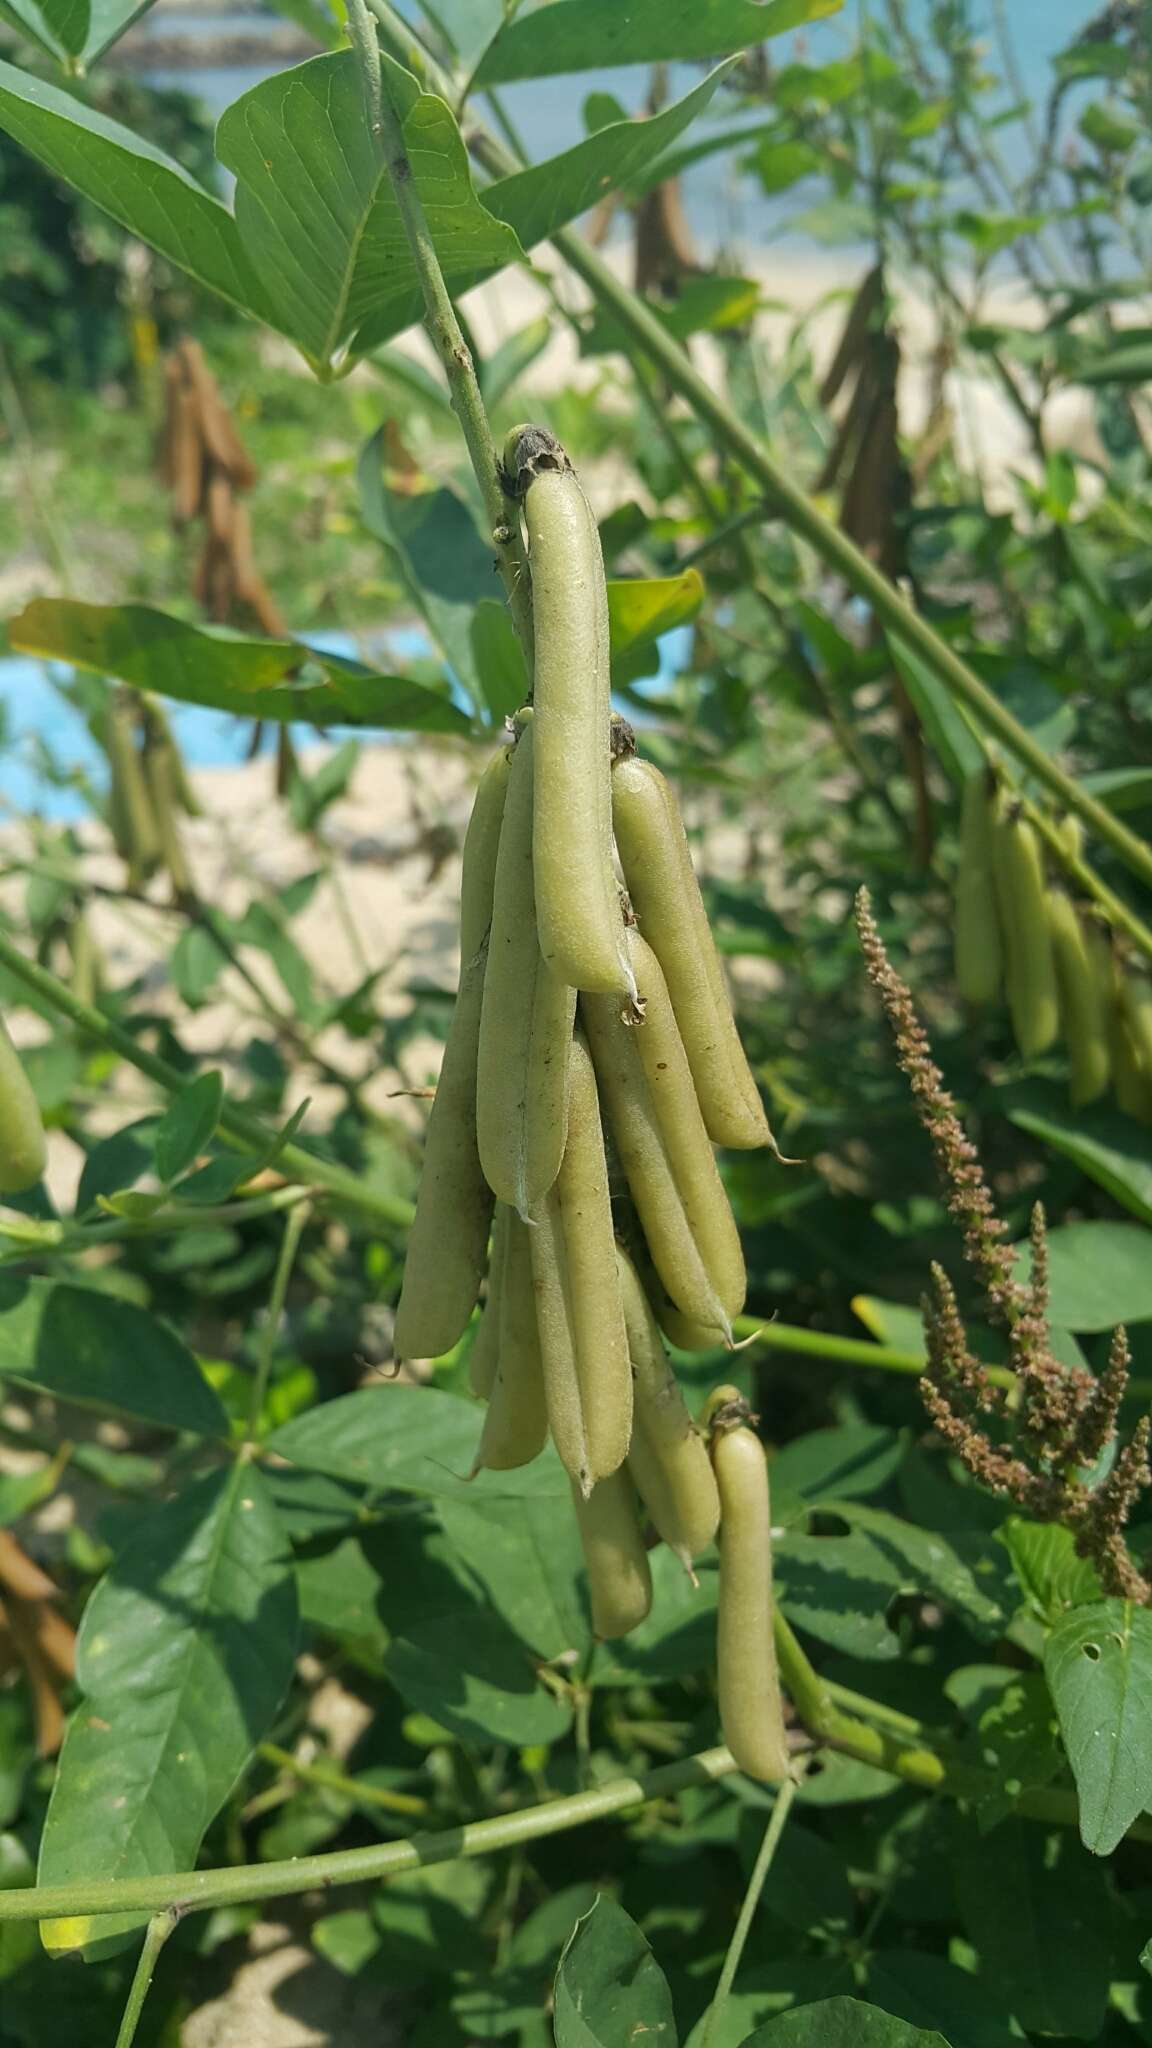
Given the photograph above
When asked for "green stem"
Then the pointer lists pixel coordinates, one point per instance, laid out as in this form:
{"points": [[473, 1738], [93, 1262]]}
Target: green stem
{"points": [[294, 1224], [156, 1934], [442, 325], [790, 501], [196, 1890], [756, 1883], [246, 1133], [331, 1779]]}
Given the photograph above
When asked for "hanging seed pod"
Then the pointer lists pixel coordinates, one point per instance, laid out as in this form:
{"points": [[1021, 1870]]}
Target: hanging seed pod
{"points": [[526, 1020], [979, 949], [130, 813], [670, 913], [619, 1578], [516, 1425], [667, 1457], [448, 1244], [631, 1117], [686, 1140], [751, 1711], [23, 1150], [573, 1233], [1030, 969], [1083, 1009], [1136, 1002], [577, 902]]}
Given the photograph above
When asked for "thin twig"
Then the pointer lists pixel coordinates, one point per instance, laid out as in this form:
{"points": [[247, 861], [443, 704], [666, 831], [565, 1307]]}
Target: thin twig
{"points": [[156, 1934], [294, 1224], [751, 1900]]}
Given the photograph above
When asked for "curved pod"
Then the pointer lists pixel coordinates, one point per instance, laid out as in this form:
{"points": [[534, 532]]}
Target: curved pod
{"points": [[665, 894], [448, 1243], [667, 1457], [23, 1150], [619, 1578], [748, 1683], [526, 1020], [1083, 1006], [516, 1425], [1030, 969]]}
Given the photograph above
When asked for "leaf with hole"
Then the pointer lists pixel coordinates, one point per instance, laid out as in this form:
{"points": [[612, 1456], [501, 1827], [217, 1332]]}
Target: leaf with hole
{"points": [[1098, 1663]]}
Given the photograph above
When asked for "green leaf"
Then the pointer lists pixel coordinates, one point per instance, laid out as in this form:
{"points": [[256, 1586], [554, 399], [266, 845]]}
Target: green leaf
{"points": [[88, 1347], [147, 192], [841, 2023], [1044, 1559], [1101, 1274], [609, 1987], [1128, 363], [926, 1562], [856, 1458], [416, 1439], [586, 35], [436, 552], [1033, 1906], [512, 359], [316, 210], [914, 1985], [959, 753], [528, 1565], [678, 1636], [1122, 789], [1016, 1743], [641, 608], [73, 28], [1098, 1663], [1111, 1148], [226, 671], [468, 1672], [497, 660], [768, 1988], [187, 1124], [537, 201], [838, 1589], [184, 1654]]}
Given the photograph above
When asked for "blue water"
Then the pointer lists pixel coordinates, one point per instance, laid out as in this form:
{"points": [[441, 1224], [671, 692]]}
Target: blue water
{"points": [[37, 716]]}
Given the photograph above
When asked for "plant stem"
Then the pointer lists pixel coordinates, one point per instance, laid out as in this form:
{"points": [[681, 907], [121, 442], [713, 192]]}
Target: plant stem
{"points": [[442, 325], [246, 1133], [756, 1883], [155, 1935], [196, 1890], [330, 1778], [294, 1224], [791, 502]]}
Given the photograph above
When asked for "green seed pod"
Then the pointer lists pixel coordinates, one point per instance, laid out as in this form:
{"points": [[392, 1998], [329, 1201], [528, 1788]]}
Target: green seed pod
{"points": [[640, 1145], [448, 1243], [556, 1323], [751, 1712], [160, 775], [516, 1425], [130, 813], [619, 1579], [665, 894], [577, 901], [579, 1209], [979, 951], [526, 1022], [86, 976], [1070, 829], [1083, 1007], [1136, 1002], [686, 1140], [23, 1151], [667, 1457], [1030, 969]]}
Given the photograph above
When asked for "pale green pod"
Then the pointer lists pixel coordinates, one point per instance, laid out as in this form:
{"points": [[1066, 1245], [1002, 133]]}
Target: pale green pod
{"points": [[630, 1113], [686, 1139], [619, 1577], [665, 896], [577, 901], [1136, 1002], [556, 1323], [1030, 969], [667, 1458], [1070, 828], [747, 1680], [597, 1308], [516, 1425], [1083, 1006], [526, 1022], [130, 812], [160, 775], [979, 952], [23, 1150], [448, 1242]]}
